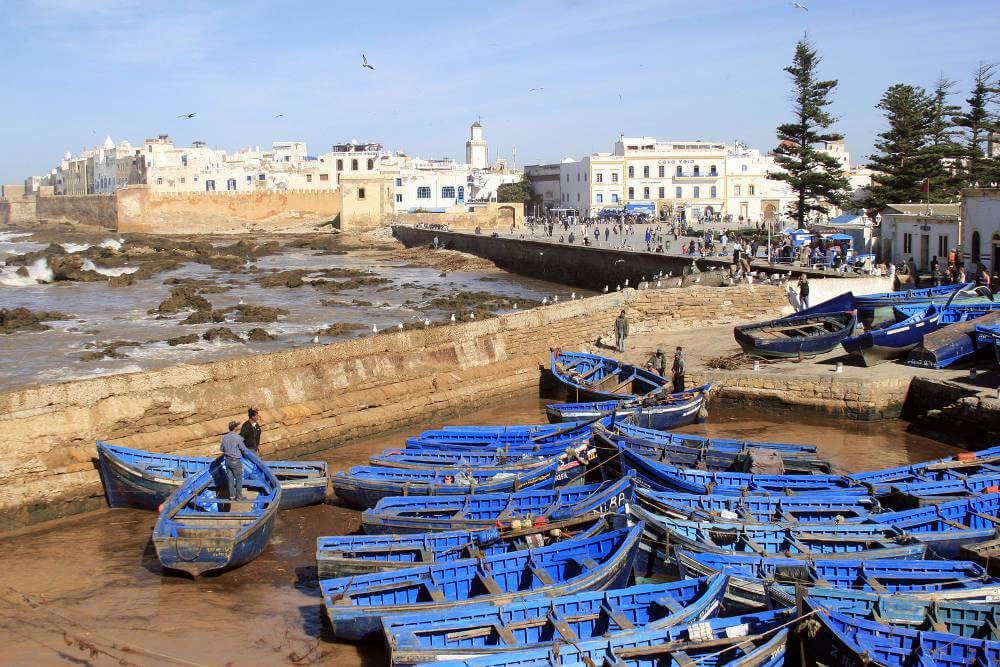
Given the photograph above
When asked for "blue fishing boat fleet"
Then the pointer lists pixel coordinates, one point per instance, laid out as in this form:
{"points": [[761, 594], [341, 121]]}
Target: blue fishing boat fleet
{"points": [[604, 540]]}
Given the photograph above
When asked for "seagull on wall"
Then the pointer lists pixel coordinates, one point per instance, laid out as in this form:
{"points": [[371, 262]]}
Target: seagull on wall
{"points": [[365, 63], [798, 6], [187, 115]]}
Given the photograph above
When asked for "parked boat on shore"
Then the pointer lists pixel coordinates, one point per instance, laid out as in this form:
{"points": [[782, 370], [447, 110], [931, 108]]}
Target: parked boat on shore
{"points": [[796, 336], [662, 412]]}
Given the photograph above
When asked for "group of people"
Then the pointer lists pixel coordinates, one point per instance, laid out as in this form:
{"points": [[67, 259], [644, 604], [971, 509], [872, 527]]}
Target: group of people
{"points": [[657, 363]]}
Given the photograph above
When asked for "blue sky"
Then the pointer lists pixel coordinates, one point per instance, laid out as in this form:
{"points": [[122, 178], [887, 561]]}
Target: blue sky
{"points": [[78, 70]]}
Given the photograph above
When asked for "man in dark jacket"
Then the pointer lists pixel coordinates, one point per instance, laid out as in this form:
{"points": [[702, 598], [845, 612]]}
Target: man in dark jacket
{"points": [[251, 430], [679, 367], [621, 331], [659, 361]]}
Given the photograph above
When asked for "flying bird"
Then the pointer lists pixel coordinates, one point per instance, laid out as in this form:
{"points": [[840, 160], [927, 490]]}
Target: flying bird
{"points": [[534, 89], [280, 115], [187, 115], [798, 6], [365, 63]]}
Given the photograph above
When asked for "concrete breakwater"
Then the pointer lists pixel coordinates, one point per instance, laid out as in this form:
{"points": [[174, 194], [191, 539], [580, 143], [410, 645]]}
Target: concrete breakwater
{"points": [[318, 397], [593, 267]]}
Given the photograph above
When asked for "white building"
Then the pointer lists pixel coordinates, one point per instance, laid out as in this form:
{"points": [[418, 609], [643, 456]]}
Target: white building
{"points": [[981, 227], [920, 231], [477, 153]]}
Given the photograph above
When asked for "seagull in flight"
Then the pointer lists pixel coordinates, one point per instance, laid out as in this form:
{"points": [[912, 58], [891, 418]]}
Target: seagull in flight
{"points": [[534, 89], [187, 115], [280, 115], [798, 6], [365, 63]]}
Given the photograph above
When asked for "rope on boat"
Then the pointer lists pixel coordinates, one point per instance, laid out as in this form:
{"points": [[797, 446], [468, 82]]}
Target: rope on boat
{"points": [[95, 643], [773, 630]]}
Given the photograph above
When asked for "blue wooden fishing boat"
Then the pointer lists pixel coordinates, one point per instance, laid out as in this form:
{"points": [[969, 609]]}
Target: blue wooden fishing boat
{"points": [[989, 336], [744, 640], [880, 482], [660, 412], [878, 307], [928, 579], [364, 486], [803, 541], [946, 527], [666, 448], [201, 530], [529, 441], [974, 620], [588, 378], [135, 478], [954, 341], [880, 345], [699, 442], [835, 508], [477, 511], [661, 477], [798, 335], [353, 554], [355, 606], [851, 641], [541, 623], [908, 495]]}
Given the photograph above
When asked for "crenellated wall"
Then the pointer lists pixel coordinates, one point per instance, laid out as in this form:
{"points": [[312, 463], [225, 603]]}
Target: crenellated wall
{"points": [[317, 397]]}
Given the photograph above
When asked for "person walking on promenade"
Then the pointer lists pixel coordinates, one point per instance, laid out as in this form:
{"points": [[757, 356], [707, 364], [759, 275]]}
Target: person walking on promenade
{"points": [[803, 292], [659, 362], [621, 331], [250, 431], [234, 450], [679, 367]]}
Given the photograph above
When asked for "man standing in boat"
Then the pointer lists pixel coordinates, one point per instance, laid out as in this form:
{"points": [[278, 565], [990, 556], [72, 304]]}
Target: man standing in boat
{"points": [[235, 450], [679, 367], [621, 331], [250, 431]]}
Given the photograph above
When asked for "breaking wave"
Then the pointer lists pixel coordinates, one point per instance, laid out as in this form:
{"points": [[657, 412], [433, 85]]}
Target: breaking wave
{"points": [[38, 272], [74, 247], [114, 244], [90, 266]]}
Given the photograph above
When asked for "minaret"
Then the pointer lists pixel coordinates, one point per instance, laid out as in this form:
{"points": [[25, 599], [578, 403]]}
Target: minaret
{"points": [[476, 152]]}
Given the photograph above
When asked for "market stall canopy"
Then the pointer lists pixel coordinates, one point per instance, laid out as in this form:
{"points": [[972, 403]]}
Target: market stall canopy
{"points": [[640, 208]]}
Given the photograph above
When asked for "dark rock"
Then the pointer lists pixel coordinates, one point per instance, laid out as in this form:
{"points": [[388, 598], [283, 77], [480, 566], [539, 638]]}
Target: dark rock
{"points": [[23, 272], [259, 335], [22, 319], [224, 262], [338, 329], [249, 313], [71, 268], [110, 351], [353, 283], [221, 333], [182, 340], [124, 280], [291, 278], [328, 243], [182, 298], [204, 317]]}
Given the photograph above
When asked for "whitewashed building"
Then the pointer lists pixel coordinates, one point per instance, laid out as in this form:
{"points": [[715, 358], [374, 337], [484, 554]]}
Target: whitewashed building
{"points": [[920, 231], [980, 211]]}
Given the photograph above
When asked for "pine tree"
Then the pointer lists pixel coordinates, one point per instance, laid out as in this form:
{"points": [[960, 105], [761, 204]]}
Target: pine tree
{"points": [[977, 123], [816, 177], [902, 160], [942, 150]]}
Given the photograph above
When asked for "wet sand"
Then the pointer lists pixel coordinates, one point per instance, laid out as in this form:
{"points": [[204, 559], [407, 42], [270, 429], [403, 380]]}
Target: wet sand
{"points": [[95, 578]]}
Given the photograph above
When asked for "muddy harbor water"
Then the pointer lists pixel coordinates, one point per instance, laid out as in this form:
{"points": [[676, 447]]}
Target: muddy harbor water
{"points": [[72, 589]]}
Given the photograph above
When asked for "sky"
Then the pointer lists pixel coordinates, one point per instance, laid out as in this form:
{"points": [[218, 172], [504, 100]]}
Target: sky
{"points": [[80, 70]]}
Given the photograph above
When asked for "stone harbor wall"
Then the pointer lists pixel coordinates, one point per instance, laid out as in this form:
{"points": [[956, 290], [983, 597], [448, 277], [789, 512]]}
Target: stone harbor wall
{"points": [[320, 396]]}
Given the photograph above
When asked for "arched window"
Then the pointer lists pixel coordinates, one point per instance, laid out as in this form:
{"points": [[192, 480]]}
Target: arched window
{"points": [[371, 164], [631, 172], [645, 172], [680, 170], [697, 192], [975, 247]]}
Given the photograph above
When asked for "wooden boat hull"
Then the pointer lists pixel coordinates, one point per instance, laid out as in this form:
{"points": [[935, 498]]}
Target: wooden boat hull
{"points": [[952, 342], [423, 515], [662, 417], [356, 622], [602, 379], [881, 345], [764, 338], [349, 555], [417, 639], [751, 575], [989, 337], [752, 509], [128, 485], [365, 492], [199, 530], [854, 642], [742, 640], [878, 307]]}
